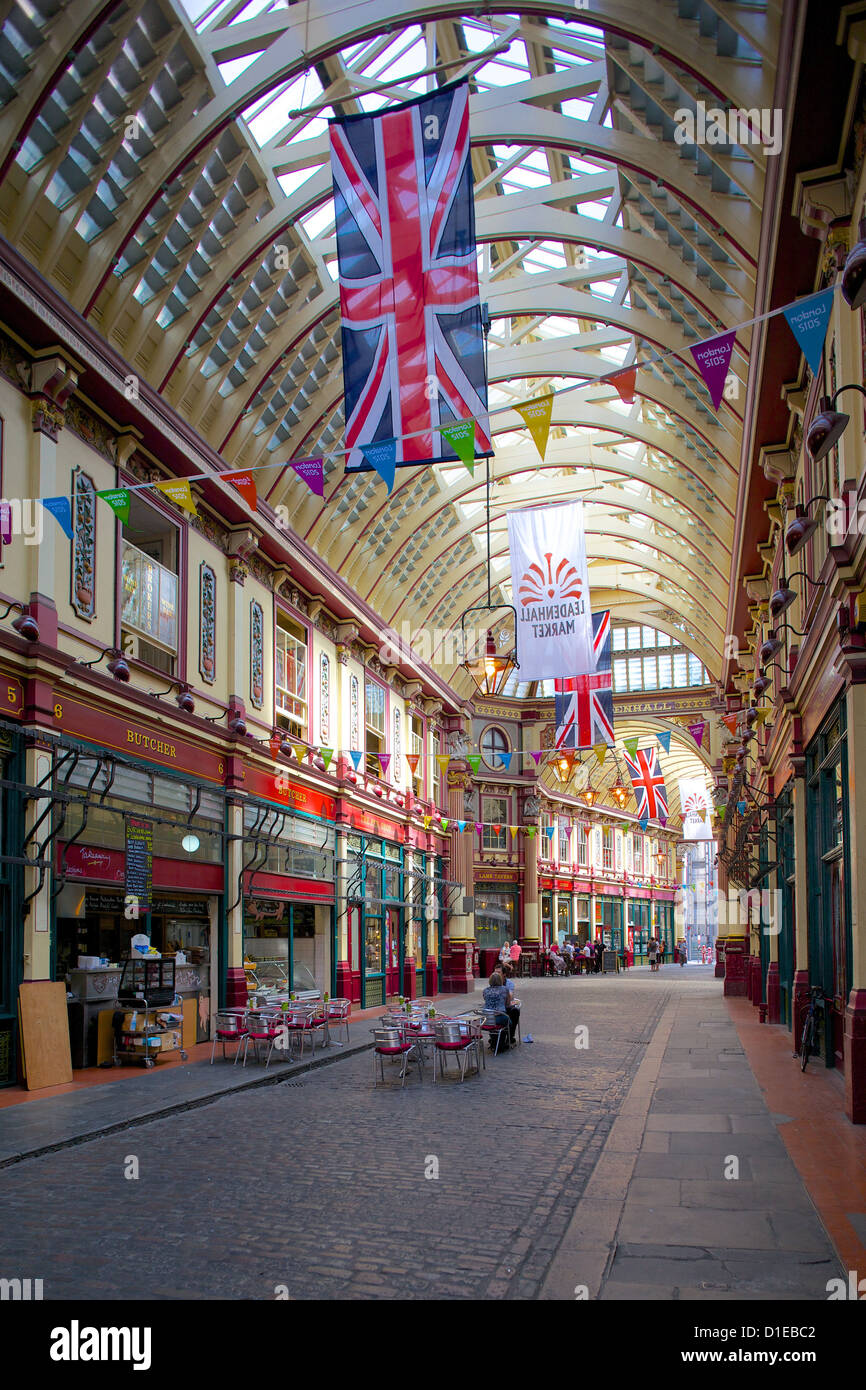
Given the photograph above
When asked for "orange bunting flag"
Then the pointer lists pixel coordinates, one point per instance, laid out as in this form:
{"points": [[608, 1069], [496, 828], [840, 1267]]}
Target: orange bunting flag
{"points": [[731, 721], [625, 384], [246, 487], [412, 760]]}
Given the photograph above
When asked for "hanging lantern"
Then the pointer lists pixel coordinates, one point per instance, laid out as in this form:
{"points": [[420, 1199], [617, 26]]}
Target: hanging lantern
{"points": [[491, 670]]}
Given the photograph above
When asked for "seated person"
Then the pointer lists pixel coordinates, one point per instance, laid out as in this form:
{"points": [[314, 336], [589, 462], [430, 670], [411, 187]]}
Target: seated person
{"points": [[512, 1008], [505, 953], [496, 1000], [557, 964]]}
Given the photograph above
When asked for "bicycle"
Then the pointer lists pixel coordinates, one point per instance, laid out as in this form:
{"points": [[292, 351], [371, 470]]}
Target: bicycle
{"points": [[809, 1040]]}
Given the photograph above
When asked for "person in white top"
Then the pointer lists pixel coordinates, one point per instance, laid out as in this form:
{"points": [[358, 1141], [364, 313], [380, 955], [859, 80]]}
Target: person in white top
{"points": [[505, 953]]}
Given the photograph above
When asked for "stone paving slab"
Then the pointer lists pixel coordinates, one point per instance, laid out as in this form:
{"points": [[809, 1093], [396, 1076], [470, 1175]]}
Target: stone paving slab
{"points": [[40, 1125]]}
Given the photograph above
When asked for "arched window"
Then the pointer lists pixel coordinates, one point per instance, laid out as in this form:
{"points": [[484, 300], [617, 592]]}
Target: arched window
{"points": [[493, 745]]}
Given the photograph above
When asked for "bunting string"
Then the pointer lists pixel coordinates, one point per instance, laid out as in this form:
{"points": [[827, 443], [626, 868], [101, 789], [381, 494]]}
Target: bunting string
{"points": [[807, 318]]}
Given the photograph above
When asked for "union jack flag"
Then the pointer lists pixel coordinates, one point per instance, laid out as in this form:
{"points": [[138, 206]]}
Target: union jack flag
{"points": [[648, 783], [413, 348], [584, 704]]}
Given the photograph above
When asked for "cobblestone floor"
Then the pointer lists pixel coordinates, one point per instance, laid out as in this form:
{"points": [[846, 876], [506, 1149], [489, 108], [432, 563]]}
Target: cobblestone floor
{"points": [[319, 1185]]}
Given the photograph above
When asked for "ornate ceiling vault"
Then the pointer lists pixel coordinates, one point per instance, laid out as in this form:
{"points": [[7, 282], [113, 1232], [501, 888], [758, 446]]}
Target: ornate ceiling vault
{"points": [[166, 168]]}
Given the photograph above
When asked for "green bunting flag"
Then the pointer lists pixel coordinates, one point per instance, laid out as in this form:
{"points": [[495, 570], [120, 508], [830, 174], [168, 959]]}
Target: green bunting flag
{"points": [[474, 761], [118, 500], [327, 755], [630, 746], [461, 437]]}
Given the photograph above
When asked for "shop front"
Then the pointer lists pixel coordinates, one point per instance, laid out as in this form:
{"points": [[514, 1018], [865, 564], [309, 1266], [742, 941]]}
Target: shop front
{"points": [[639, 926], [828, 873], [564, 912], [608, 921], [11, 888], [546, 917], [288, 895], [496, 919], [376, 907]]}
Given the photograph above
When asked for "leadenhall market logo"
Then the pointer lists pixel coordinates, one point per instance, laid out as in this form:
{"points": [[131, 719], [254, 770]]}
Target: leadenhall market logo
{"points": [[550, 599]]}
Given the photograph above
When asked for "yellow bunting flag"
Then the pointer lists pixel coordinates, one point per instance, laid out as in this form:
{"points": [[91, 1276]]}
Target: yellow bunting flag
{"points": [[443, 760], [178, 490], [513, 829], [600, 750], [428, 820], [537, 415]]}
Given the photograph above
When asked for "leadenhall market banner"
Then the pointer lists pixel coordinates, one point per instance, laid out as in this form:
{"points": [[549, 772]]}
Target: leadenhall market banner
{"points": [[550, 583]]}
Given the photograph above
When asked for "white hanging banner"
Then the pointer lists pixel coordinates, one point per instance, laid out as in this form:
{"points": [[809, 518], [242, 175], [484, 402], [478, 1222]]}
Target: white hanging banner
{"points": [[696, 807], [550, 586]]}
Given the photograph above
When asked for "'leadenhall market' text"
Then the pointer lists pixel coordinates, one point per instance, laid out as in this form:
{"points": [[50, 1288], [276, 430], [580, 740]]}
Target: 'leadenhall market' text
{"points": [[553, 620]]}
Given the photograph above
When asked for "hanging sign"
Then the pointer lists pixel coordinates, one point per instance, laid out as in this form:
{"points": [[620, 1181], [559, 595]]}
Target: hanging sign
{"points": [[550, 583]]}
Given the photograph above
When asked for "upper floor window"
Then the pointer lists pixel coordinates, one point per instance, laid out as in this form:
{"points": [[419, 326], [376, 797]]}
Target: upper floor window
{"points": [[564, 842], [435, 770], [149, 586], [638, 854], [374, 725], [607, 848], [493, 745], [416, 747], [582, 845], [290, 674], [494, 813]]}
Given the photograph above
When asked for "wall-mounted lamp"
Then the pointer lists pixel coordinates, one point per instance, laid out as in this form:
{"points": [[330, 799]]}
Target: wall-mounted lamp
{"points": [[784, 596], [829, 424], [183, 699], [799, 531], [25, 625], [117, 664]]}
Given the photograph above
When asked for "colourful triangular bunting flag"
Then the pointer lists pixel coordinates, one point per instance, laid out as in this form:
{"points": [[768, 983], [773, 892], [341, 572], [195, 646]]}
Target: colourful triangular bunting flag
{"points": [[245, 485], [506, 760], [384, 760], [697, 731], [413, 759], [624, 382], [600, 750], [327, 755], [665, 741], [61, 509], [474, 761], [383, 457], [118, 500], [461, 437], [177, 489], [536, 414], [630, 746], [443, 760], [712, 359], [536, 756], [356, 757], [807, 320], [313, 473]]}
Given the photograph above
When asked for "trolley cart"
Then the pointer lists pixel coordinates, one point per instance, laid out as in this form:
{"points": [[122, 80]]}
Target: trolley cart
{"points": [[146, 989]]}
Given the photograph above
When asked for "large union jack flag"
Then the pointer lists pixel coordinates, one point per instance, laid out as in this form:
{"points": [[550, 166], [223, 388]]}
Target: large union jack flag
{"points": [[584, 704], [648, 783], [413, 348]]}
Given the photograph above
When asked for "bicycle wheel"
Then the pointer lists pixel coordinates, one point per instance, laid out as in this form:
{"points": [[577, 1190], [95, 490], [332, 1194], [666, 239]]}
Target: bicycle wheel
{"points": [[807, 1042]]}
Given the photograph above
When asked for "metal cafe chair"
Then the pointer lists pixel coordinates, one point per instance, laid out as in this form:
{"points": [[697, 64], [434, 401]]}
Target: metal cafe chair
{"points": [[394, 1042], [457, 1038], [338, 1017], [229, 1028], [263, 1026], [490, 1026], [302, 1021]]}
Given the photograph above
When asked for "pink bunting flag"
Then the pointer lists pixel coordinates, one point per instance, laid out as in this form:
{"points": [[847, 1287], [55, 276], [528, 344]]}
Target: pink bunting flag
{"points": [[313, 473], [697, 731], [713, 359], [536, 757]]}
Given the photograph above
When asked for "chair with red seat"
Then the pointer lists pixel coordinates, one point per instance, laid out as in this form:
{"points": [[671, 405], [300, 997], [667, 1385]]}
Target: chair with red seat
{"points": [[458, 1038], [394, 1042], [263, 1026], [491, 1027], [229, 1028], [338, 1017]]}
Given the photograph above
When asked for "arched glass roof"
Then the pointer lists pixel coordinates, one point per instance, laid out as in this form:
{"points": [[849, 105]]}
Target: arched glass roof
{"points": [[169, 175]]}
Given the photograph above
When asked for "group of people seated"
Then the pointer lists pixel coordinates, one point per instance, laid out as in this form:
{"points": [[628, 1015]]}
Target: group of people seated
{"points": [[572, 959]]}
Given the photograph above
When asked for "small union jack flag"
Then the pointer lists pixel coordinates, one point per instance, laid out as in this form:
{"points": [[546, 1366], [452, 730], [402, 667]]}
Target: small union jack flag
{"points": [[584, 704], [413, 347], [648, 783]]}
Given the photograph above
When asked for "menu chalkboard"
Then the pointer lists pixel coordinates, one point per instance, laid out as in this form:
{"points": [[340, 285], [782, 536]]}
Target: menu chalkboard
{"points": [[139, 861]]}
